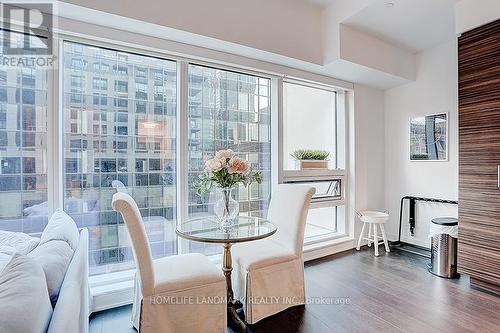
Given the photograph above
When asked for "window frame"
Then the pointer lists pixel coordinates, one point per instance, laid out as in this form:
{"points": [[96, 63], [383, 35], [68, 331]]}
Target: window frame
{"points": [[150, 44], [55, 176], [123, 52], [340, 174], [182, 126]]}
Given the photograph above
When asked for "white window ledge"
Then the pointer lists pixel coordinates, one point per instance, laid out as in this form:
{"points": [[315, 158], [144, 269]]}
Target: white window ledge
{"points": [[328, 247]]}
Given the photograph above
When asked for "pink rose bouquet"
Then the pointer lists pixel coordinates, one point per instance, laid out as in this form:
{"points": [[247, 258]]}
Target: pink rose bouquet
{"points": [[224, 170]]}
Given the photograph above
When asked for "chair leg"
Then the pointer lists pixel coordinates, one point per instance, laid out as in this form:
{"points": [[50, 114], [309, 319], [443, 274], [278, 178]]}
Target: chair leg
{"points": [[375, 239], [384, 237], [361, 236], [369, 234]]}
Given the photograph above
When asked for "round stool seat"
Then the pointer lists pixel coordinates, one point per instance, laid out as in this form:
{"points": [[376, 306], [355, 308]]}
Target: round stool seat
{"points": [[372, 216], [445, 221]]}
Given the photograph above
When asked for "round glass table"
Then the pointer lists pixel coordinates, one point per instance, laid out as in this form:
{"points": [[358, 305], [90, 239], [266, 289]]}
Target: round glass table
{"points": [[245, 229]]}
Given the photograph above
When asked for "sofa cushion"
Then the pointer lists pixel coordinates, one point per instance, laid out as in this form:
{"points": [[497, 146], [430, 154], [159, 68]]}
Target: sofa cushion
{"points": [[61, 227], [24, 300], [40, 209], [54, 257], [22, 243], [4, 260]]}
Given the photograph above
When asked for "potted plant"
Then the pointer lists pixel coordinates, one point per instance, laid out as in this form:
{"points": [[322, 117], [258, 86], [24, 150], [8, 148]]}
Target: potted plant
{"points": [[223, 172], [311, 159]]}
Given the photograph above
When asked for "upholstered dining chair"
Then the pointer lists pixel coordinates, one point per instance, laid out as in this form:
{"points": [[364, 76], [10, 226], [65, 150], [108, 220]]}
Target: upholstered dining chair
{"points": [[181, 293], [270, 272], [118, 186]]}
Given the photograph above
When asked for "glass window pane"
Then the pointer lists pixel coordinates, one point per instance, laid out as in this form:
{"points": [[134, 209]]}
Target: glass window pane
{"points": [[118, 128], [23, 148], [226, 112], [310, 123], [307, 110], [321, 221]]}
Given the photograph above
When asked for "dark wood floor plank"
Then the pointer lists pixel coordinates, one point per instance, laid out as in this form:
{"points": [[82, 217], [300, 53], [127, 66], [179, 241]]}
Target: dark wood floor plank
{"points": [[391, 293], [295, 320], [383, 306], [441, 313]]}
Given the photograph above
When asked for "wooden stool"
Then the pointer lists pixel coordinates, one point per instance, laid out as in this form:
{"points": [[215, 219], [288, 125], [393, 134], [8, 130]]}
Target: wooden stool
{"points": [[373, 218]]}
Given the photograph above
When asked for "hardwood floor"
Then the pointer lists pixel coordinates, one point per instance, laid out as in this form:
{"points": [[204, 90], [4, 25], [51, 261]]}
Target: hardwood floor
{"points": [[391, 293]]}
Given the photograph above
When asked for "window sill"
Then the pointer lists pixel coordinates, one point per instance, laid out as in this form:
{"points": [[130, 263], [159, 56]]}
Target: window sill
{"points": [[328, 246]]}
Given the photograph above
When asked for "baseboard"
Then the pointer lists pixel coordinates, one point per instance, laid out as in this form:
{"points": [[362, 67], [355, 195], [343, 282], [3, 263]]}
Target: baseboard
{"points": [[315, 251], [112, 295], [409, 240]]}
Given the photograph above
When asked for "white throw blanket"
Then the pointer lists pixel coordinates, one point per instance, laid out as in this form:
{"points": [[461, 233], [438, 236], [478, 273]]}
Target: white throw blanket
{"points": [[11, 242]]}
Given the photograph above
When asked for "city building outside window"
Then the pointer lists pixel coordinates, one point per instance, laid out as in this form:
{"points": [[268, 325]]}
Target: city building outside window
{"points": [[136, 148], [23, 146], [228, 110]]}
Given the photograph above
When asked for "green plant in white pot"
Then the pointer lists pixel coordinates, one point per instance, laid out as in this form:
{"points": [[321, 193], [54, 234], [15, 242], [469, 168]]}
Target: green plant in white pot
{"points": [[311, 159]]}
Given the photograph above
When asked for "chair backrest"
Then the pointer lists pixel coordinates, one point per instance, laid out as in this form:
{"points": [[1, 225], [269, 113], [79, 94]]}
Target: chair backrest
{"points": [[118, 186], [126, 205], [288, 210]]}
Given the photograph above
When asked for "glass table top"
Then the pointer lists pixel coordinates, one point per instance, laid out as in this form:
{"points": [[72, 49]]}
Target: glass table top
{"points": [[206, 229]]}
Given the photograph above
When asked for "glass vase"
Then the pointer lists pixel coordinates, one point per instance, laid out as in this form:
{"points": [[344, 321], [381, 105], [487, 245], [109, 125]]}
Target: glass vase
{"points": [[226, 208]]}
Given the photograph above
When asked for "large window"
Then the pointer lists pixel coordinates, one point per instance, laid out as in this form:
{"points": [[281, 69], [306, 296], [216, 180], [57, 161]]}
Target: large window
{"points": [[312, 120], [228, 110], [120, 124], [23, 145], [118, 127]]}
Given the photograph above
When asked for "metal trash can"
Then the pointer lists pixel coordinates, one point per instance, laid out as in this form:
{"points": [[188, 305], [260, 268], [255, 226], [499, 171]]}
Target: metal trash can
{"points": [[444, 247]]}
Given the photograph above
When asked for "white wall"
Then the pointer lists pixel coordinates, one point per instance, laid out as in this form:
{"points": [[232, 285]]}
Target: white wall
{"points": [[331, 17], [470, 14], [290, 28], [363, 49], [434, 91], [369, 150]]}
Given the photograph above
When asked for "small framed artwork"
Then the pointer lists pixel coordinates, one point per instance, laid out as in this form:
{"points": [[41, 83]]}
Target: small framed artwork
{"points": [[429, 138]]}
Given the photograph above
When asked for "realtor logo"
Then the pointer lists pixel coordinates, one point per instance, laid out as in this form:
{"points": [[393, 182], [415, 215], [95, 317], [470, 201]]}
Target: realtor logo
{"points": [[26, 28]]}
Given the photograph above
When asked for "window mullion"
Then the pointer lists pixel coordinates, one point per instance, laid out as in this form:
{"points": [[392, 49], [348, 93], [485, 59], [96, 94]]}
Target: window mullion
{"points": [[276, 132], [54, 133], [182, 150]]}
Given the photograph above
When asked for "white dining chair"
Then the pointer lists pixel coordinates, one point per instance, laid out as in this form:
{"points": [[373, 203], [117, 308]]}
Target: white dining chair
{"points": [[181, 293], [119, 186], [270, 272]]}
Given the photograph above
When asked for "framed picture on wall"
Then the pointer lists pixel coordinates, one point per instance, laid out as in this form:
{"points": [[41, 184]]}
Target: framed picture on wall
{"points": [[429, 138]]}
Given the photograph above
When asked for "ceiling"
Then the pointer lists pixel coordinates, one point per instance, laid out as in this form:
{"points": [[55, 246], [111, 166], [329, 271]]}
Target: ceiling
{"points": [[409, 25], [321, 3], [414, 25]]}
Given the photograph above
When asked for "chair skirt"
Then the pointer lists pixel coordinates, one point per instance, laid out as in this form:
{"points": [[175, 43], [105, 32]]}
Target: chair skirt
{"points": [[197, 309], [267, 290]]}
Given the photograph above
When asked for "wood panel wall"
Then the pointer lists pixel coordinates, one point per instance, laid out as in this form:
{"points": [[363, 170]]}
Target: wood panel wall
{"points": [[479, 156]]}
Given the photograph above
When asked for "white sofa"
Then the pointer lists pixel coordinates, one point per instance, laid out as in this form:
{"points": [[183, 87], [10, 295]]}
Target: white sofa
{"points": [[71, 313], [58, 263]]}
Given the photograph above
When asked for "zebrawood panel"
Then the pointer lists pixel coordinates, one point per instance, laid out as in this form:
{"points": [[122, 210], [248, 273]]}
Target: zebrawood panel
{"points": [[495, 288], [479, 76], [480, 235], [479, 155], [479, 262]]}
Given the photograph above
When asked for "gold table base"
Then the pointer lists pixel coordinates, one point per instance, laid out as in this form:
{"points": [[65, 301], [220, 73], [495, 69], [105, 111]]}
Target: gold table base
{"points": [[232, 304]]}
